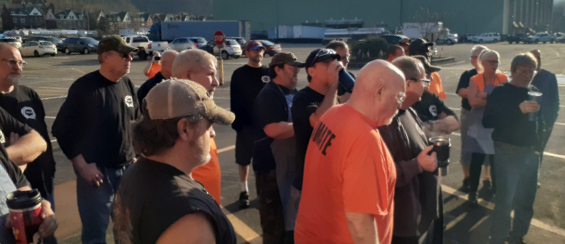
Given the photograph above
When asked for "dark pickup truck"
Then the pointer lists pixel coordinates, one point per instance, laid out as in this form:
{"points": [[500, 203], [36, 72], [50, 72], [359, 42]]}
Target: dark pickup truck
{"points": [[518, 38]]}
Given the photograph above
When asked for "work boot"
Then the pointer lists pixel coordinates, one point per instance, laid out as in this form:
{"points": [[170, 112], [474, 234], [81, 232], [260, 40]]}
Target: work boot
{"points": [[244, 199], [473, 199]]}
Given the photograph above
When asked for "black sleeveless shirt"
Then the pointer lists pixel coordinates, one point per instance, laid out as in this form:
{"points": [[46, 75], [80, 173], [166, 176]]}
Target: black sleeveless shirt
{"points": [[152, 196]]}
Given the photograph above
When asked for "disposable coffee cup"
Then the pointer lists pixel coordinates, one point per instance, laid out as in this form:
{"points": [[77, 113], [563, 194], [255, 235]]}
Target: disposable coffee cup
{"points": [[534, 96], [346, 82], [441, 145], [25, 210]]}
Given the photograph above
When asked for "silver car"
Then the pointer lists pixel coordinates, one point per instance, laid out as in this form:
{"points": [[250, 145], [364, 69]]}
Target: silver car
{"points": [[181, 44]]}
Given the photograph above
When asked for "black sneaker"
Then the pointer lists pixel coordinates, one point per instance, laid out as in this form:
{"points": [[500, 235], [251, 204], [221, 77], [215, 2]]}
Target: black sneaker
{"points": [[487, 185], [473, 201], [466, 185], [243, 199]]}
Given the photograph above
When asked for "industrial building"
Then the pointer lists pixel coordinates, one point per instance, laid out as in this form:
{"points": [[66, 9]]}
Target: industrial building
{"points": [[460, 16]]}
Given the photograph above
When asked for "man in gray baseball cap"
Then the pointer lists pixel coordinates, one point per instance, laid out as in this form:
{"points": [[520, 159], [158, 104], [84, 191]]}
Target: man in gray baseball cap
{"points": [[158, 199]]}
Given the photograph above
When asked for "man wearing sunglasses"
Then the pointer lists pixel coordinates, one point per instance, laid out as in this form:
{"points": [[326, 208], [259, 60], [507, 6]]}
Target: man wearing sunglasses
{"points": [[424, 48], [437, 118], [309, 104], [94, 128], [417, 197], [275, 146]]}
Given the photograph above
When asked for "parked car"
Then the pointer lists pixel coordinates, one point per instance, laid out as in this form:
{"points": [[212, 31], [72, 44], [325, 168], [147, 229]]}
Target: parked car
{"points": [[84, 45], [239, 40], [12, 41], [393, 39], [486, 37], [38, 48], [209, 47], [181, 44], [231, 49], [145, 47], [542, 37], [449, 39], [522, 37], [51, 39], [466, 37], [198, 41], [559, 37], [270, 48]]}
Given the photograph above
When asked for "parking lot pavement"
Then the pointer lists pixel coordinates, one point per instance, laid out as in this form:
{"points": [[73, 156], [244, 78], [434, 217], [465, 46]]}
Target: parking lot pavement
{"points": [[52, 76]]}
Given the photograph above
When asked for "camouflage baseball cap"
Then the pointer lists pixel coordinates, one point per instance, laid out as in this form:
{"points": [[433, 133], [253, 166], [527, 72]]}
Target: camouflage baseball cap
{"points": [[175, 98], [286, 58], [114, 43]]}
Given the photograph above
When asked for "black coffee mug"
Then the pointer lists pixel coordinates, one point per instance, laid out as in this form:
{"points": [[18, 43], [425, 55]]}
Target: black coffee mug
{"points": [[442, 145]]}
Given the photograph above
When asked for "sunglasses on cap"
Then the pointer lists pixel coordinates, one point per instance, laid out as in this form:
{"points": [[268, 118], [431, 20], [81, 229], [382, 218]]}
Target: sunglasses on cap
{"points": [[324, 54]]}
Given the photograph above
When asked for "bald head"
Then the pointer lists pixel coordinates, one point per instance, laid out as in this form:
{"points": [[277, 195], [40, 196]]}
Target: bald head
{"points": [[167, 60], [378, 91], [537, 54]]}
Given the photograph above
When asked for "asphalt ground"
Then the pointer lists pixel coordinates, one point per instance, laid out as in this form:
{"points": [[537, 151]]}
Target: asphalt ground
{"points": [[52, 76]]}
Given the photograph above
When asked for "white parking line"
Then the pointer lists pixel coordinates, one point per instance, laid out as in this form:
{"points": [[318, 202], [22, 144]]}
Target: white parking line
{"points": [[490, 205], [51, 98]]}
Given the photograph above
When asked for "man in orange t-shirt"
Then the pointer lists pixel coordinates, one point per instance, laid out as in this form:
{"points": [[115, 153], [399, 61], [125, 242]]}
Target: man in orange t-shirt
{"points": [[349, 174], [436, 86], [199, 66], [154, 66]]}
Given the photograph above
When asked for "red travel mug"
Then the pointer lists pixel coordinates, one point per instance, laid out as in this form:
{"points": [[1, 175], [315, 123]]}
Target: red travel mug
{"points": [[25, 210]]}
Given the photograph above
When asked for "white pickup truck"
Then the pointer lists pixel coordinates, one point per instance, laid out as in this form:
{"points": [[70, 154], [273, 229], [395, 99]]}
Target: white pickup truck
{"points": [[145, 47]]}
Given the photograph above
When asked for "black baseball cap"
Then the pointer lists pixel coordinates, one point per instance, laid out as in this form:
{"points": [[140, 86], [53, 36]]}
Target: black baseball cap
{"points": [[420, 47], [319, 55]]}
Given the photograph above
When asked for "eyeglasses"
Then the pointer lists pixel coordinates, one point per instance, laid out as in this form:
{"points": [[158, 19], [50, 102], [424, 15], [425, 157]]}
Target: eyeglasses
{"points": [[12, 62], [401, 97], [425, 82]]}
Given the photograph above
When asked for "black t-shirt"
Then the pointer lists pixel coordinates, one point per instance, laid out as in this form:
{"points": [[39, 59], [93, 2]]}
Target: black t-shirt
{"points": [[152, 196], [305, 103], [96, 120], [503, 114], [431, 107], [246, 83], [146, 87], [464, 83], [24, 104], [270, 107]]}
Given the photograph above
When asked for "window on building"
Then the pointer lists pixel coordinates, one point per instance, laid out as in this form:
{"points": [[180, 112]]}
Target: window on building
{"points": [[15, 20], [23, 20]]}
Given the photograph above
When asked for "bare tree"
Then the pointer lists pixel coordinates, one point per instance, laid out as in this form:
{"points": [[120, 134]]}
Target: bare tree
{"points": [[428, 22]]}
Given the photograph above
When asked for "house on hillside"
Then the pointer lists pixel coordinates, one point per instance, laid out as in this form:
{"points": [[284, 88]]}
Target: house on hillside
{"points": [[24, 17], [158, 18], [146, 20], [66, 19]]}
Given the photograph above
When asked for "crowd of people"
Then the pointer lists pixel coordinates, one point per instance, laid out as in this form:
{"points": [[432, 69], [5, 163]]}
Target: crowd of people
{"points": [[331, 165]]}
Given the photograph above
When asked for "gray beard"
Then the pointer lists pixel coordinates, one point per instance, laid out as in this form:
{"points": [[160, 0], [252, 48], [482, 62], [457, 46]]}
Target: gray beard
{"points": [[14, 79]]}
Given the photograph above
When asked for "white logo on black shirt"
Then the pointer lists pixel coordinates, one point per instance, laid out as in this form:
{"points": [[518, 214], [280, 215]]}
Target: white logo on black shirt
{"points": [[129, 101], [265, 79], [28, 112], [2, 138], [433, 110]]}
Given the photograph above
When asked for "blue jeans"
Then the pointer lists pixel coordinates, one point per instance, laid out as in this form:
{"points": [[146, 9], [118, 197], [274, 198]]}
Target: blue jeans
{"points": [[516, 182], [95, 204]]}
